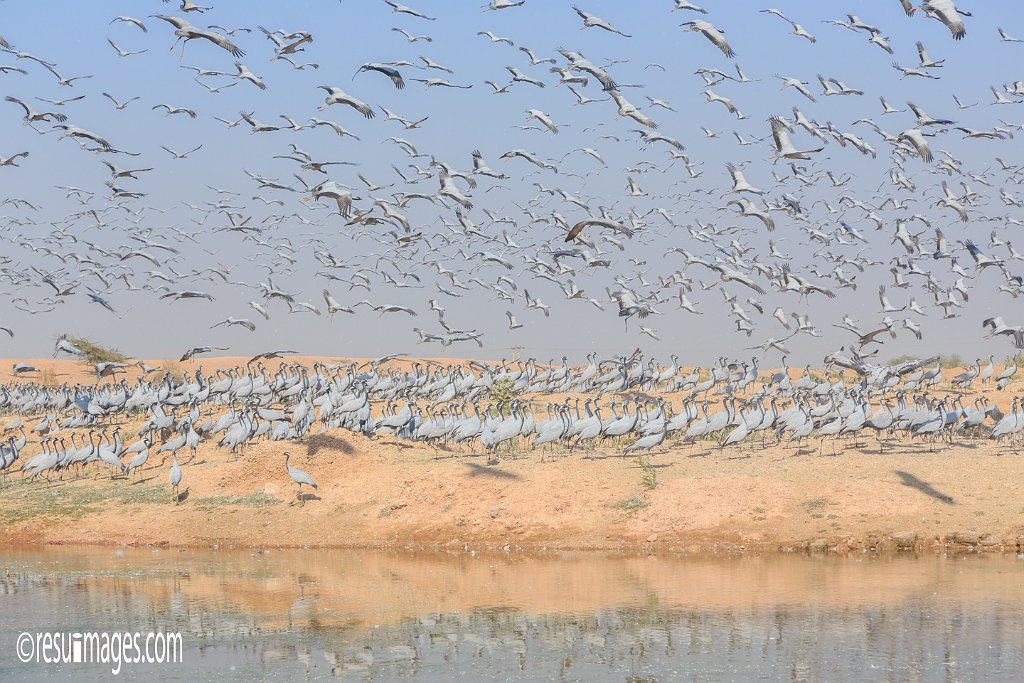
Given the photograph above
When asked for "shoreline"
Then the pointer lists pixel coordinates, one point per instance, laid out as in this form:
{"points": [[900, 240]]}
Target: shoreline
{"points": [[889, 545], [381, 494]]}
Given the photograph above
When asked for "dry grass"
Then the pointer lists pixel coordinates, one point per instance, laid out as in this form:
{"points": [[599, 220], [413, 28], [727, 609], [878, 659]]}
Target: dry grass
{"points": [[48, 378], [97, 353], [174, 369]]}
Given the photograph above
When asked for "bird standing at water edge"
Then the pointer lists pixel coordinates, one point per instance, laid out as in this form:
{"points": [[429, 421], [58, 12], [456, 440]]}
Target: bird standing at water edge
{"points": [[174, 476], [299, 477]]}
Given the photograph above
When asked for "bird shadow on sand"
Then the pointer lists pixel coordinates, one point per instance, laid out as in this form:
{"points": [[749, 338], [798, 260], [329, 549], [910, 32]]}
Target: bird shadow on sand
{"points": [[397, 444], [448, 453], [908, 479], [652, 465], [304, 498], [483, 471], [328, 442], [902, 448], [183, 496]]}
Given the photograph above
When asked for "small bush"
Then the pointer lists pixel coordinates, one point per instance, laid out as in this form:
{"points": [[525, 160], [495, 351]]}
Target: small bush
{"points": [[650, 478], [258, 499], [814, 505], [48, 377], [631, 504], [503, 392], [952, 361], [173, 368], [97, 353]]}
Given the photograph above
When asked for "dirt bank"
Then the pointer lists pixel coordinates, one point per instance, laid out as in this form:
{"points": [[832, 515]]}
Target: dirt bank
{"points": [[385, 492]]}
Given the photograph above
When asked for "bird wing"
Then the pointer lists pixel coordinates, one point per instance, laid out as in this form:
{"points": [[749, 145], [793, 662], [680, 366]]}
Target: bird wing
{"points": [[779, 134], [734, 172], [28, 111], [176, 22]]}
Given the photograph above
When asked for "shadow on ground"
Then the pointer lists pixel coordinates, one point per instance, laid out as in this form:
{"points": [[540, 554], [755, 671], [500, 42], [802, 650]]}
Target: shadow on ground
{"points": [[328, 442], [482, 471], [908, 479]]}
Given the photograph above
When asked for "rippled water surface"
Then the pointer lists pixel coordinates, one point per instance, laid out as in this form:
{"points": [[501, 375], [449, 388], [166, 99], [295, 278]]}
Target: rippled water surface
{"points": [[367, 615]]}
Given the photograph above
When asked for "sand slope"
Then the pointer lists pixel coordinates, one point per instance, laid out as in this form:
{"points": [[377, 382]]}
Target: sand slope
{"points": [[386, 492]]}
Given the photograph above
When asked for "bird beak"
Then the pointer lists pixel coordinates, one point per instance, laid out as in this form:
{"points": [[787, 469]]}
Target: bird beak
{"points": [[306, 199]]}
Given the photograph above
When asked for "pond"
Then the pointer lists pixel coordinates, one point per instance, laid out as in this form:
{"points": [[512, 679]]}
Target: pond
{"points": [[297, 615]]}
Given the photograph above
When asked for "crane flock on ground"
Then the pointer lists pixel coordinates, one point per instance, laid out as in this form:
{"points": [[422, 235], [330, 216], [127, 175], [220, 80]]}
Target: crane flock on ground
{"points": [[499, 410], [542, 187]]}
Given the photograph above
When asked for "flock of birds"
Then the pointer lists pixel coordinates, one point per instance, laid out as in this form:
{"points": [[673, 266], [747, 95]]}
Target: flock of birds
{"points": [[446, 246], [490, 408]]}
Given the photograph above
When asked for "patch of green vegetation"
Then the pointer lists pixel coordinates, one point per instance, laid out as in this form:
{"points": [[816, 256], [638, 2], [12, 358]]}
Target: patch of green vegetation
{"points": [[257, 499], [24, 500], [135, 494], [952, 361], [814, 504], [387, 510], [631, 504], [650, 477], [503, 392], [97, 353]]}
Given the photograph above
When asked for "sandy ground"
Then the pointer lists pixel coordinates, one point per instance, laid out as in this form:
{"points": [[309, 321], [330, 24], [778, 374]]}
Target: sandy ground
{"points": [[383, 492]]}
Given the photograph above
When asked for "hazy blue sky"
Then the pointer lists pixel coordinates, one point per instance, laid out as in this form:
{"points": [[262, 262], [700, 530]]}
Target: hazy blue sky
{"points": [[347, 34]]}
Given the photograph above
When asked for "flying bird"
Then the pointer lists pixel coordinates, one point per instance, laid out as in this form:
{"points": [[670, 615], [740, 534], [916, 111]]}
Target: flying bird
{"points": [[713, 34]]}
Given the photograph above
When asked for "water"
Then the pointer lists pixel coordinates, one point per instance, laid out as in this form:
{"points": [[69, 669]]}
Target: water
{"points": [[383, 616]]}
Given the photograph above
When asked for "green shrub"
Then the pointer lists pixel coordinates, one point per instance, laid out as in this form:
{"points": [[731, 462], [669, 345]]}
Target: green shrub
{"points": [[650, 478], [951, 361], [503, 392], [631, 504]]}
